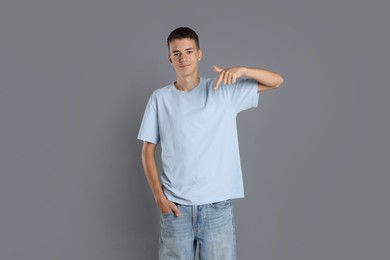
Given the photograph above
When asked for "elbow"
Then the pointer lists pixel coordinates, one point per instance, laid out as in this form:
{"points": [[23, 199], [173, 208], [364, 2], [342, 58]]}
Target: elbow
{"points": [[280, 82], [145, 156]]}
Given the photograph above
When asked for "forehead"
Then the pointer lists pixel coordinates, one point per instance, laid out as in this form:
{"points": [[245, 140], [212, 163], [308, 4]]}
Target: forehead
{"points": [[182, 44]]}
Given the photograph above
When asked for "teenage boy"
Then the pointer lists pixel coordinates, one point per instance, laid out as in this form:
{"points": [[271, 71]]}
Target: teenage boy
{"points": [[194, 120]]}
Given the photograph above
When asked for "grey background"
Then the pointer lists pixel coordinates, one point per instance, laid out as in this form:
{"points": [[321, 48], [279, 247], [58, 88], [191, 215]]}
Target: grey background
{"points": [[75, 77]]}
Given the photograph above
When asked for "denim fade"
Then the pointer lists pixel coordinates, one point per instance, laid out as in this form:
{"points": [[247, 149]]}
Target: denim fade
{"points": [[209, 225]]}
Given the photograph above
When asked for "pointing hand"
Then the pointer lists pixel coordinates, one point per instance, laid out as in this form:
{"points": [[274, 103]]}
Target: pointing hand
{"points": [[227, 76]]}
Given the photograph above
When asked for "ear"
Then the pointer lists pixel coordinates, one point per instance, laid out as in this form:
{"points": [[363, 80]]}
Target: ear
{"points": [[199, 54], [169, 58]]}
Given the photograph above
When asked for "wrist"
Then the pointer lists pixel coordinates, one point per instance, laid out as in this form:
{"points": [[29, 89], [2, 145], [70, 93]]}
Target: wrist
{"points": [[244, 71], [159, 197]]}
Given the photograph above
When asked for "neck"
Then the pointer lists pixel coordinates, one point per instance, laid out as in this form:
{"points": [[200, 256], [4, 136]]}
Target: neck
{"points": [[187, 83]]}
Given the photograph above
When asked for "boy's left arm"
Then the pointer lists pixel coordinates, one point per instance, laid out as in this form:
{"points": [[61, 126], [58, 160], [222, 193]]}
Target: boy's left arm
{"points": [[266, 79]]}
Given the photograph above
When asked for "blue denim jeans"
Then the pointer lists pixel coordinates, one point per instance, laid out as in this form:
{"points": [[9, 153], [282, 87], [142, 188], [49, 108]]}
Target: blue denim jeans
{"points": [[209, 225]]}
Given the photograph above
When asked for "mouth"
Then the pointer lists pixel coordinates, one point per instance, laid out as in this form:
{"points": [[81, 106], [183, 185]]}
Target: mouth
{"points": [[184, 66]]}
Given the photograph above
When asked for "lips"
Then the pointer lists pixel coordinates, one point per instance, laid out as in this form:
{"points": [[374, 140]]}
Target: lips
{"points": [[184, 66]]}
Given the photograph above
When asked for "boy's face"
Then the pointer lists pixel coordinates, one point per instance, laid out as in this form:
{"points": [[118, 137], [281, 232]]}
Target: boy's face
{"points": [[184, 56]]}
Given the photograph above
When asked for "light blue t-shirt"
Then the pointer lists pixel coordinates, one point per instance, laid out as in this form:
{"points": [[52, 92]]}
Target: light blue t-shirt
{"points": [[198, 135]]}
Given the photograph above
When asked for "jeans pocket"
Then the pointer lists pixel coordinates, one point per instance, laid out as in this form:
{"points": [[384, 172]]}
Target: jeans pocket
{"points": [[221, 204], [166, 214]]}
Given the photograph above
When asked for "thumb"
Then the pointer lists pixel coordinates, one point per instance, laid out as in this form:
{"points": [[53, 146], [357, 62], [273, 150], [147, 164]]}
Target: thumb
{"points": [[217, 69]]}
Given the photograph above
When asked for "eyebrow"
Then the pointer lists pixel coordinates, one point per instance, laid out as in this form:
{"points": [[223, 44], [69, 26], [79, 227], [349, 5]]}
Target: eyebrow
{"points": [[185, 50]]}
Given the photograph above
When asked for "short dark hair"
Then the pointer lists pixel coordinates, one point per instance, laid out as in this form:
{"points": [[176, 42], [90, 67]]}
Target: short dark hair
{"points": [[181, 33]]}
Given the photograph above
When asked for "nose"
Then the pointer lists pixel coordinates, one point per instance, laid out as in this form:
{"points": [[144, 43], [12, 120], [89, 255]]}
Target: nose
{"points": [[183, 57]]}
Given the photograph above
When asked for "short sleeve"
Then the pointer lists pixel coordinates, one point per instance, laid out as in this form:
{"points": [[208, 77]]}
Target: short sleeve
{"points": [[149, 130], [244, 94]]}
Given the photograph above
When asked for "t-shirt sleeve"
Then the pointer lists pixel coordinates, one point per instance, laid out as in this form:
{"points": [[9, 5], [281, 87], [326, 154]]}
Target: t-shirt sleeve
{"points": [[149, 130], [244, 94]]}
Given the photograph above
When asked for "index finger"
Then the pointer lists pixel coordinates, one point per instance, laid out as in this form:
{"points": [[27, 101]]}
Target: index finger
{"points": [[219, 80]]}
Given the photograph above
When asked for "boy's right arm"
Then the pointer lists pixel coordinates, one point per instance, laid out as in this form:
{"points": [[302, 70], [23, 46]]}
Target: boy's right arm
{"points": [[151, 172]]}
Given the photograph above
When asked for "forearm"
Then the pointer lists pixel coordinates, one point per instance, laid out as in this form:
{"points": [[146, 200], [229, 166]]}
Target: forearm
{"points": [[151, 172], [264, 77]]}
